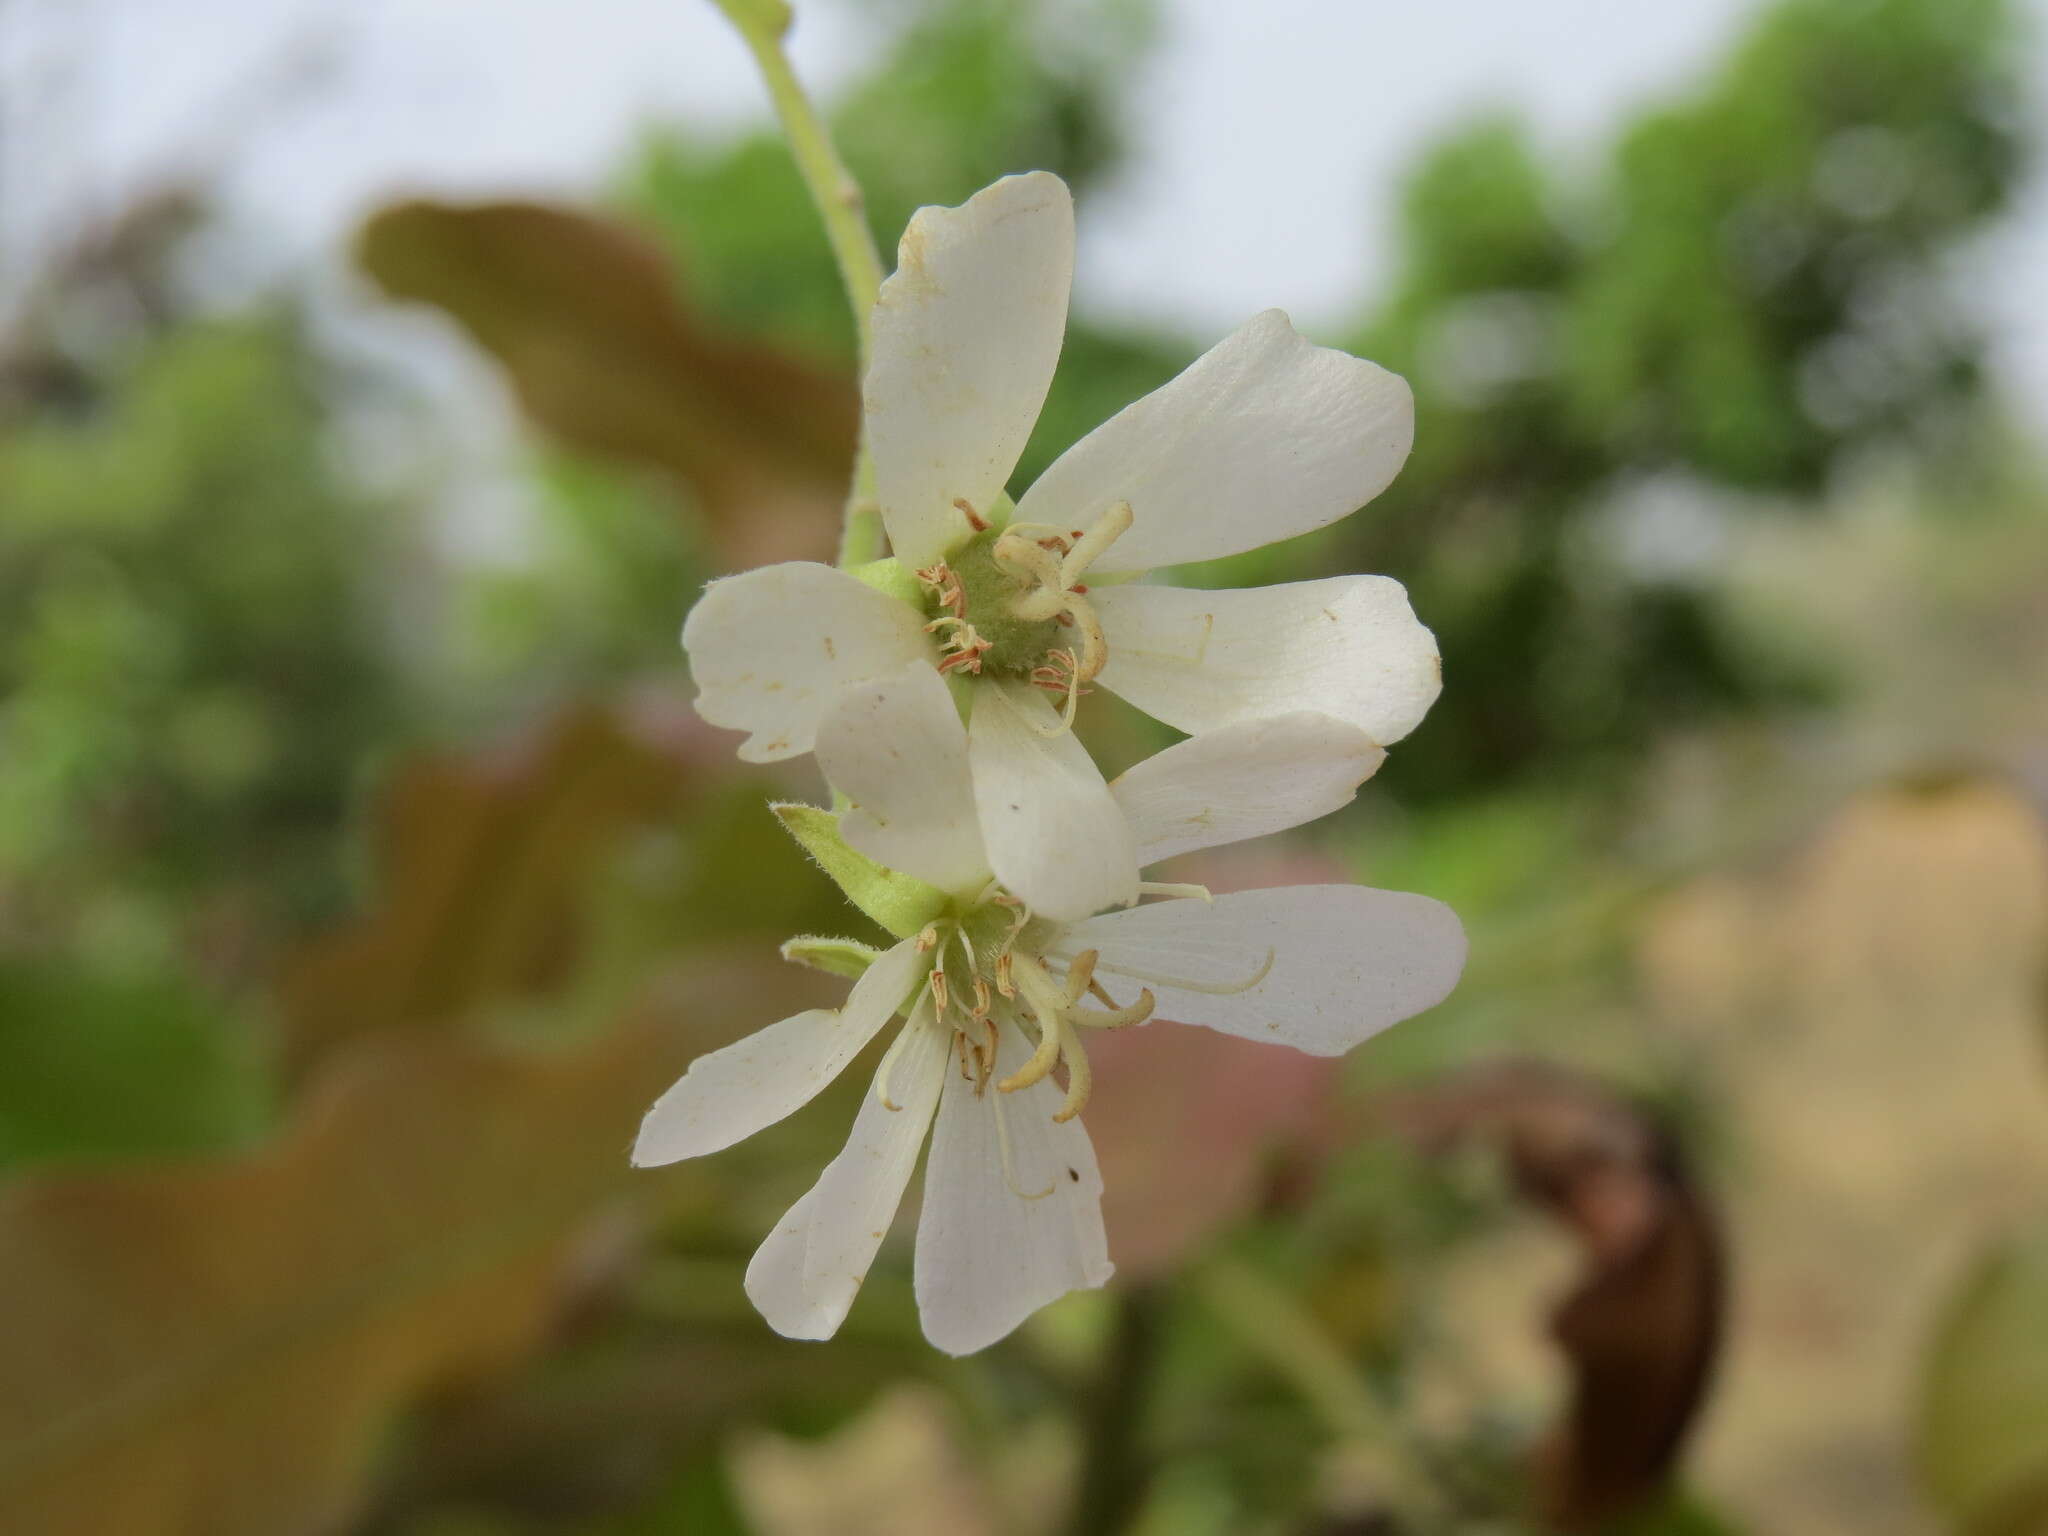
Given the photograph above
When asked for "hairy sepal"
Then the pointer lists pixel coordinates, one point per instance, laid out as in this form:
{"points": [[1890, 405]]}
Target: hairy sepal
{"points": [[901, 903], [835, 957]]}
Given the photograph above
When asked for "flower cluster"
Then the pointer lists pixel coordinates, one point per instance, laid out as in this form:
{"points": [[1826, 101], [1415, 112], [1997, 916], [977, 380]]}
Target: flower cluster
{"points": [[937, 689]]}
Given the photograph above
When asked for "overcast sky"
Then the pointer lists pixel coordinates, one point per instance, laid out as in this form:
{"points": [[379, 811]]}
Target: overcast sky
{"points": [[1270, 136]]}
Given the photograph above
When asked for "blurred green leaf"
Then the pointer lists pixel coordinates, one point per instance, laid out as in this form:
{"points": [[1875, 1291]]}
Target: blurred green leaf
{"points": [[192, 655], [588, 322], [1984, 1400], [108, 1066]]}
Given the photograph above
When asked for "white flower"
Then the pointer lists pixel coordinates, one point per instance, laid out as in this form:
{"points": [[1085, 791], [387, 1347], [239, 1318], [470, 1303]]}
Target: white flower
{"points": [[1263, 438], [997, 996]]}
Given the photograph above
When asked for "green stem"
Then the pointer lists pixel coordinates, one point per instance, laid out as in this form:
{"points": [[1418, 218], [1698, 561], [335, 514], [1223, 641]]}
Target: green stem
{"points": [[1116, 1472], [1276, 1327], [763, 24]]}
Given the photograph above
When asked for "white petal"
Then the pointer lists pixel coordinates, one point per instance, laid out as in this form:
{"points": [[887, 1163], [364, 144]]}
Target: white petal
{"points": [[771, 649], [861, 1188], [993, 1246], [967, 333], [1054, 834], [775, 1278], [728, 1095], [1346, 961], [1262, 437], [1349, 646], [1244, 781], [804, 1277], [896, 749]]}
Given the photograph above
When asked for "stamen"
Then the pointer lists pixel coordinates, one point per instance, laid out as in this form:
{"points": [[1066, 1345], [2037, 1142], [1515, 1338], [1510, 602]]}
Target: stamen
{"points": [[1088, 547], [1115, 1017], [1080, 1080], [1094, 644], [1072, 668], [1042, 1061], [975, 520], [1026, 558], [987, 1059], [1046, 1002], [1081, 974], [983, 1065], [885, 1074], [1009, 1170], [1182, 984], [945, 585], [964, 648], [1168, 888]]}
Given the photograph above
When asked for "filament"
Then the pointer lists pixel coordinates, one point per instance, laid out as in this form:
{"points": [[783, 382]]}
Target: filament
{"points": [[1183, 984], [1167, 888], [1009, 1169]]}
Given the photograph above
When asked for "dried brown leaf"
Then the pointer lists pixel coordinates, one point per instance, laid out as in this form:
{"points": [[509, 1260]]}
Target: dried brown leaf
{"points": [[1642, 1327], [587, 319], [482, 857], [212, 1349]]}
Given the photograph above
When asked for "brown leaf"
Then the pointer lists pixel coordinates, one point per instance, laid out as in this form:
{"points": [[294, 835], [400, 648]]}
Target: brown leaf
{"points": [[586, 318], [1642, 1327], [211, 1349], [482, 857]]}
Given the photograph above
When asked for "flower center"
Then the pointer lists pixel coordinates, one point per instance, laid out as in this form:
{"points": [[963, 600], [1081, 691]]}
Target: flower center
{"points": [[1010, 602], [989, 973], [992, 969]]}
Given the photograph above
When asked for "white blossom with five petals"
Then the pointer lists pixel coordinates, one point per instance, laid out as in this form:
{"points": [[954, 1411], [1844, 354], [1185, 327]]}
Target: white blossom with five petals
{"points": [[1264, 437], [996, 998]]}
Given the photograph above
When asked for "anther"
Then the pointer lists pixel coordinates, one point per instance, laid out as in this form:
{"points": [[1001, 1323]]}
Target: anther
{"points": [[974, 519]]}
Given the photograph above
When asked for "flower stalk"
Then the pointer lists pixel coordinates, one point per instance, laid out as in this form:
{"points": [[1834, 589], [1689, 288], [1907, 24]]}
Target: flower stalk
{"points": [[762, 25]]}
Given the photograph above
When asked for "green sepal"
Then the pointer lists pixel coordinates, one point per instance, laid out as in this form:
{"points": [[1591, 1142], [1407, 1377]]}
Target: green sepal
{"points": [[901, 903], [890, 578], [835, 957]]}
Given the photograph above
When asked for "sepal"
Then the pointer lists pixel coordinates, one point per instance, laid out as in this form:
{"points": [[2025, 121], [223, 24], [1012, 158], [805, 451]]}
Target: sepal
{"points": [[835, 957], [901, 903]]}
